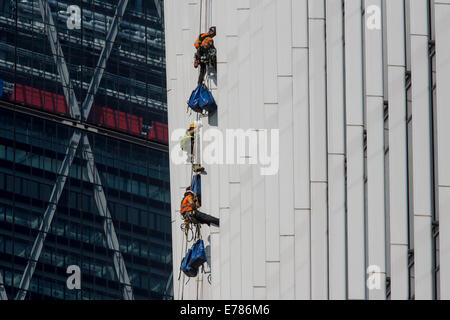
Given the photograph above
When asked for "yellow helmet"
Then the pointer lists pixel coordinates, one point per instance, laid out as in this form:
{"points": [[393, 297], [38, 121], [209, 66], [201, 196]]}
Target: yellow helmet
{"points": [[192, 126]]}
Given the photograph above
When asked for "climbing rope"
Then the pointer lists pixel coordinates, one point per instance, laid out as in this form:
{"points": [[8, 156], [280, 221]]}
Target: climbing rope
{"points": [[185, 237], [199, 279]]}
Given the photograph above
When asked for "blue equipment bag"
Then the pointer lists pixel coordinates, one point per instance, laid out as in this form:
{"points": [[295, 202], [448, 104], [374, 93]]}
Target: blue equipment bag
{"points": [[202, 100], [198, 257], [194, 259], [186, 268]]}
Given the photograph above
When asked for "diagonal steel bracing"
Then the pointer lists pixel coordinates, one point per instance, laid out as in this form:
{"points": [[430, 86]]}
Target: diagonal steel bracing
{"points": [[48, 216], [158, 7], [63, 172], [104, 56], [169, 284], [111, 237], [60, 62], [3, 295]]}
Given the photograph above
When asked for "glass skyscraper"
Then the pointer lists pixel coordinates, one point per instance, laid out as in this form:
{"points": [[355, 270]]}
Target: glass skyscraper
{"points": [[84, 163]]}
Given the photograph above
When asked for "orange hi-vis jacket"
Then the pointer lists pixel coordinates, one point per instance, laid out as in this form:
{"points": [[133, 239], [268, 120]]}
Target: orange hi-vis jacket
{"points": [[187, 204], [204, 41]]}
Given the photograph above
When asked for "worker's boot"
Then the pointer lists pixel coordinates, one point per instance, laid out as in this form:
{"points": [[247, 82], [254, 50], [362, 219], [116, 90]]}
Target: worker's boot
{"points": [[198, 168]]}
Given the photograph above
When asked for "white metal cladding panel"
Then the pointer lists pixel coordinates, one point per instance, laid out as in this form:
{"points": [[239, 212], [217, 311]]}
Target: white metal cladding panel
{"points": [[271, 122], [270, 51], [286, 163], [442, 11], [335, 77], [444, 241], [221, 22], [355, 214], [336, 149], [395, 18], [214, 240], [233, 97], [355, 154], [216, 265], [299, 17], [259, 230], [287, 268], [235, 241], [284, 38], [225, 254], [302, 248], [223, 114], [243, 4], [373, 52], [421, 123], [375, 190], [319, 239], [421, 140], [318, 153], [273, 280], [246, 232], [177, 27], [260, 293], [231, 13], [354, 64], [375, 148], [422, 257], [398, 182], [301, 129], [257, 120], [317, 101], [336, 227], [205, 286], [186, 20], [245, 171], [244, 77], [399, 272], [272, 197], [316, 9], [398, 169], [286, 182], [301, 173]]}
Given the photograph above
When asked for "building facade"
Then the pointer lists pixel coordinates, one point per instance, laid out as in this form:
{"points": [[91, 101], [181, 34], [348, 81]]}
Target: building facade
{"points": [[84, 177], [358, 91]]}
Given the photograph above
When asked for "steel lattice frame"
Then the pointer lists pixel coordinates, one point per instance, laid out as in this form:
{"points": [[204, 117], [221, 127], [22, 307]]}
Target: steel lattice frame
{"points": [[77, 137]]}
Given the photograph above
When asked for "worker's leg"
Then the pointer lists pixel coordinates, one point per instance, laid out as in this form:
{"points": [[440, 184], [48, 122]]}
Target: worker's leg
{"points": [[206, 218], [201, 77]]}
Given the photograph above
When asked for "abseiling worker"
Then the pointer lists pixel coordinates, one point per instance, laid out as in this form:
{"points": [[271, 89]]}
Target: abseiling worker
{"points": [[206, 52], [187, 145], [189, 210]]}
